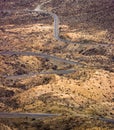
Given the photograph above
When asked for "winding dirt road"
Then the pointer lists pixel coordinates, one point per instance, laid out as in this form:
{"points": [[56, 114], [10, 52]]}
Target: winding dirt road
{"points": [[56, 35], [56, 31]]}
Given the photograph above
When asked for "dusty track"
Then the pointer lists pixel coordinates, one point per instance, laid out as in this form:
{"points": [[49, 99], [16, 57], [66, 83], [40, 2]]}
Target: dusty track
{"points": [[56, 35], [22, 115]]}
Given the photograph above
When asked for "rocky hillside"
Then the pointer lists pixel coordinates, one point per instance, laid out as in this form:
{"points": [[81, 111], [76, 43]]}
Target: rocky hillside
{"points": [[84, 98]]}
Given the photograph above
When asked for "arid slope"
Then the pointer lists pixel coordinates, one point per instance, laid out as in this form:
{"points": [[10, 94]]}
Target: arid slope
{"points": [[81, 97]]}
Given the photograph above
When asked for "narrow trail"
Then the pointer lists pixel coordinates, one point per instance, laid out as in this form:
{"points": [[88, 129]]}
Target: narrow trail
{"points": [[56, 31], [56, 34], [39, 55], [23, 115]]}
